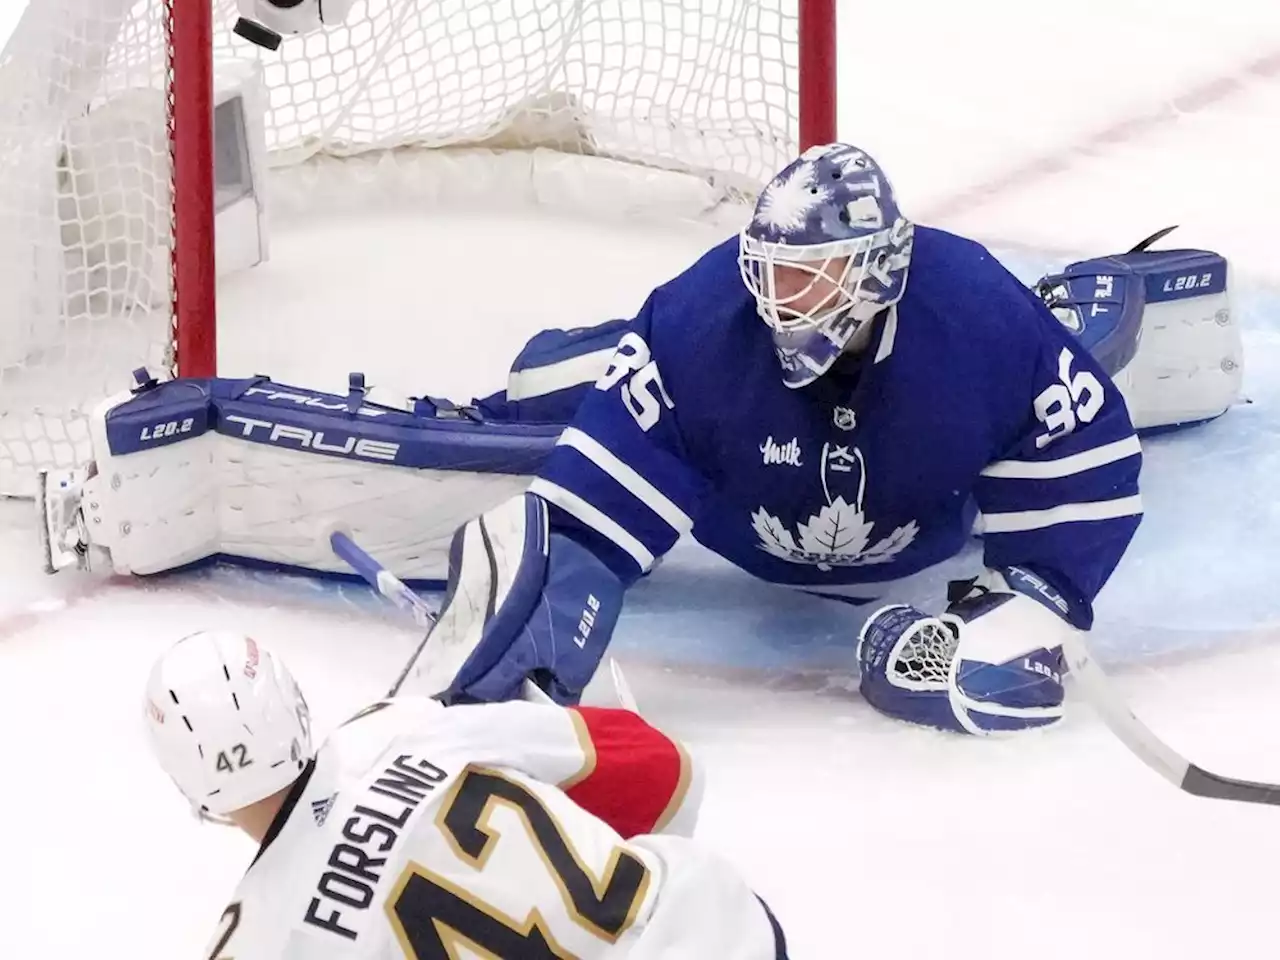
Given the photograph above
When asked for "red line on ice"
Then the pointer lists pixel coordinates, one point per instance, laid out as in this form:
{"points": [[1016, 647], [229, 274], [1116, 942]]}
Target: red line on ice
{"points": [[1205, 95]]}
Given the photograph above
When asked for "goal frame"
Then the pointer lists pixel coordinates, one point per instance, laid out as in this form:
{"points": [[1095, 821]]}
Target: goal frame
{"points": [[190, 103]]}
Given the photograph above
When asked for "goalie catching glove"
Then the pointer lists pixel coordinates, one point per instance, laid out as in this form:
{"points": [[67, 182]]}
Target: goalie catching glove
{"points": [[991, 663]]}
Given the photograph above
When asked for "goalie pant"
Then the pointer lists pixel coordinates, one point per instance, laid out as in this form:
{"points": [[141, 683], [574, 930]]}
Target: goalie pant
{"points": [[421, 830]]}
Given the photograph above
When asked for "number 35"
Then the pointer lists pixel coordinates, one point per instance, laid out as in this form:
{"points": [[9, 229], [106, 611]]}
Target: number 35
{"points": [[643, 393], [1077, 398]]}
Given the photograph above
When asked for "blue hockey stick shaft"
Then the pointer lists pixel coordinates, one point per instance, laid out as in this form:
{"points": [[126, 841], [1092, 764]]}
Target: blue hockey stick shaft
{"points": [[398, 592], [383, 580], [391, 588]]}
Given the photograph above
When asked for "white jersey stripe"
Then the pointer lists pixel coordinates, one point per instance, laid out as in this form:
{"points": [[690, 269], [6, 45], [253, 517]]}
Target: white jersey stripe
{"points": [[628, 479], [574, 505], [1065, 466], [1066, 513], [572, 372]]}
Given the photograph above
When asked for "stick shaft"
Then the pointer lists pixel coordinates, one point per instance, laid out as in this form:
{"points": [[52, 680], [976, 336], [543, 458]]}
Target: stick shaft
{"points": [[1150, 749], [393, 589], [398, 592]]}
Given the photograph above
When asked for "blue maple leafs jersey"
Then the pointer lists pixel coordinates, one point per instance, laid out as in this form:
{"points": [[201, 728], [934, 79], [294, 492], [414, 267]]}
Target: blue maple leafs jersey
{"points": [[970, 394]]}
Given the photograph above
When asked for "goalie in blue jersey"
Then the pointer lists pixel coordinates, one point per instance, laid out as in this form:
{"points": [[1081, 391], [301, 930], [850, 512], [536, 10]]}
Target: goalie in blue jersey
{"points": [[829, 400], [823, 401]]}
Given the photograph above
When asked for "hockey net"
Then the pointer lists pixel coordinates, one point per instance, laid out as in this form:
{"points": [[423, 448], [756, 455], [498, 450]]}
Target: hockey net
{"points": [[106, 247]]}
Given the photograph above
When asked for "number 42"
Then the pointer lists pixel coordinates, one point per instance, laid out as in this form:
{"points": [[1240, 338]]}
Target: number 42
{"points": [[225, 763], [1077, 398]]}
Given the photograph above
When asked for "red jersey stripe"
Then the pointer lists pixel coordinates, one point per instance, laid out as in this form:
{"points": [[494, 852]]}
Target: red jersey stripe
{"points": [[634, 777]]}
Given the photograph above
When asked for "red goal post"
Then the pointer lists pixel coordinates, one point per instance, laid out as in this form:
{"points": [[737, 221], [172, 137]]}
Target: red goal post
{"points": [[111, 237]]}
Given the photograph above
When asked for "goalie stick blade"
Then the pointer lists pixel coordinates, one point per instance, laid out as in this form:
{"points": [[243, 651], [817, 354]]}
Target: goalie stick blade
{"points": [[1159, 235], [1202, 783]]}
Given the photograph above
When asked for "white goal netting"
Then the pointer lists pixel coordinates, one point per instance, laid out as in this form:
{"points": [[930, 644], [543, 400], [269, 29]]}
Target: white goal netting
{"points": [[707, 87]]}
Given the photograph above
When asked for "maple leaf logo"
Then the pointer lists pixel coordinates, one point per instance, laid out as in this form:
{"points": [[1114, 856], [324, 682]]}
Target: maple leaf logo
{"points": [[837, 528], [838, 535], [774, 535], [787, 202]]}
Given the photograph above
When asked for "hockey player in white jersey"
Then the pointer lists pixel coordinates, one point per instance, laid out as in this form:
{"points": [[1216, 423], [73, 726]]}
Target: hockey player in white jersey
{"points": [[421, 832]]}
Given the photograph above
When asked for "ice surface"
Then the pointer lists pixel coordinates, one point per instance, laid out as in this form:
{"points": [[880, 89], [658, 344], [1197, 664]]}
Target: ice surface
{"points": [[867, 837]]}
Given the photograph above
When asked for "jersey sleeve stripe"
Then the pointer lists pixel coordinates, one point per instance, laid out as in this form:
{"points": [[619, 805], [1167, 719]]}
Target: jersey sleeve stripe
{"points": [[1065, 513], [680, 793], [588, 752], [639, 777], [628, 478], [1065, 466], [575, 506], [572, 372]]}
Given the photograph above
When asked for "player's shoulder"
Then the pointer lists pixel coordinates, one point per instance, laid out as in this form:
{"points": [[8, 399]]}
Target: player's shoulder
{"points": [[702, 326], [703, 303], [947, 268], [273, 905], [957, 286]]}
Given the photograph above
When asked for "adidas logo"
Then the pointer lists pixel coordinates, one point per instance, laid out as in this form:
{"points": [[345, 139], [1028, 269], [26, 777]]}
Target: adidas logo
{"points": [[320, 809]]}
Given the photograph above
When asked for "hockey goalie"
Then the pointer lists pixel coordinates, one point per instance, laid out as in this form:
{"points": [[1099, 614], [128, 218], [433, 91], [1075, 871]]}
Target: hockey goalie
{"points": [[836, 399]]}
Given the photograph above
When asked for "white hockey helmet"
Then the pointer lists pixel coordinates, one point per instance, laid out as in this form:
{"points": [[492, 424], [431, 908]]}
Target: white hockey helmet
{"points": [[227, 721]]}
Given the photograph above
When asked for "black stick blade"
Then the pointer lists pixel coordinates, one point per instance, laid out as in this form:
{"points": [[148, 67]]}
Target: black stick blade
{"points": [[1202, 783]]}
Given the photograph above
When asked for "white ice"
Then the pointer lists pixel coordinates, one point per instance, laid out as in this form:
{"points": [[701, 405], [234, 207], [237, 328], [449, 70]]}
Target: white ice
{"points": [[867, 837]]}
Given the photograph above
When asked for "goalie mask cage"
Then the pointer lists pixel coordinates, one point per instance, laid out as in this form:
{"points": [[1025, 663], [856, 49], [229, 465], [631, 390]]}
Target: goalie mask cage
{"points": [[107, 192]]}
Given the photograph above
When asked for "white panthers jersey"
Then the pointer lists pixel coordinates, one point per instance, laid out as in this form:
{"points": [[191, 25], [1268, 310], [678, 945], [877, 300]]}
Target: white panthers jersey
{"points": [[424, 833]]}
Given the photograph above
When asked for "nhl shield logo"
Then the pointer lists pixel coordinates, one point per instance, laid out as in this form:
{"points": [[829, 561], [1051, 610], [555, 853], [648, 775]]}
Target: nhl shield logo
{"points": [[845, 418]]}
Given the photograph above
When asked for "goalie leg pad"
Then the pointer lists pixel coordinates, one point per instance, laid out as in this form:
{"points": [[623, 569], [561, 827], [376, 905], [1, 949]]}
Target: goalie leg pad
{"points": [[521, 603], [1160, 323], [263, 473]]}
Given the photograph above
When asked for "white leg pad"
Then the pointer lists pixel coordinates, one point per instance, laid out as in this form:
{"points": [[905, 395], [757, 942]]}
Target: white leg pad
{"points": [[243, 477]]}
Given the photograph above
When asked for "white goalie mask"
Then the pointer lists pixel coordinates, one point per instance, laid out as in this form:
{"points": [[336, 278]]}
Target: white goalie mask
{"points": [[825, 252], [227, 721]]}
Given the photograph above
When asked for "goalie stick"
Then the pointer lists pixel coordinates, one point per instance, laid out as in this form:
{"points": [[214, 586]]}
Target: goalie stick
{"points": [[392, 588], [1149, 748]]}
